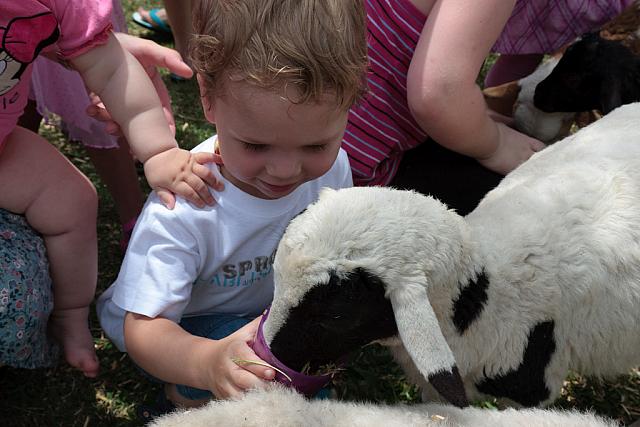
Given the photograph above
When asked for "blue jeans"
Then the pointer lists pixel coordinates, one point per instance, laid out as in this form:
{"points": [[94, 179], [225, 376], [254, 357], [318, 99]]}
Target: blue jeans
{"points": [[213, 326]]}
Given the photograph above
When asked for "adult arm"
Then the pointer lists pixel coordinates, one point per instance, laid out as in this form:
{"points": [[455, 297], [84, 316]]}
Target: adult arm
{"points": [[442, 93]]}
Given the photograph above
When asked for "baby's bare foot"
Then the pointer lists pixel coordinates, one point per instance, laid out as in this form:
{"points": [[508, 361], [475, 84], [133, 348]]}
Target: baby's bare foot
{"points": [[70, 328]]}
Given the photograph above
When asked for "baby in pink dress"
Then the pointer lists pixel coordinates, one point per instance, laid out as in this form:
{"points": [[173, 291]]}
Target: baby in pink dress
{"points": [[60, 91], [39, 183]]}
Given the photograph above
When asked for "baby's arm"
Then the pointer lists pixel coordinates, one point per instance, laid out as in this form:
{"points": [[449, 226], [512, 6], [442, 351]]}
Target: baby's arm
{"points": [[168, 352], [442, 92], [124, 87]]}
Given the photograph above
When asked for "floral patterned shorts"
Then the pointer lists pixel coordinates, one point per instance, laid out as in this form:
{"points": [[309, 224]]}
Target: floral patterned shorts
{"points": [[26, 298]]}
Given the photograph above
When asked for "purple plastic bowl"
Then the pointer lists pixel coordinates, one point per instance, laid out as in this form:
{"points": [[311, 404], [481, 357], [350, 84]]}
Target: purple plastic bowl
{"points": [[309, 385]]}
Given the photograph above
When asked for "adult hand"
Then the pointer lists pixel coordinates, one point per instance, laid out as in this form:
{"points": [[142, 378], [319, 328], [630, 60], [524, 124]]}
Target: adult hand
{"points": [[513, 149]]}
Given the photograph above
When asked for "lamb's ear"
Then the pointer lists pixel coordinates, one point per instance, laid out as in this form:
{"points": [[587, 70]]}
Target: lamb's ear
{"points": [[611, 94], [502, 98], [422, 337]]}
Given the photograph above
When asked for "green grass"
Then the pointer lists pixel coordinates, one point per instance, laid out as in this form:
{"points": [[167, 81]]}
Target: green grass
{"points": [[63, 397]]}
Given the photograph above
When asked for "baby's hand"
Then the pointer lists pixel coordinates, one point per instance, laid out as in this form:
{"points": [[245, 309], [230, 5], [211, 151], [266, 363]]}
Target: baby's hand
{"points": [[229, 379], [178, 171], [513, 149]]}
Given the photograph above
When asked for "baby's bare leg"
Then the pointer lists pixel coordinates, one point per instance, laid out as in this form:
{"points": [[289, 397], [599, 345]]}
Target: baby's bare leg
{"points": [[61, 204]]}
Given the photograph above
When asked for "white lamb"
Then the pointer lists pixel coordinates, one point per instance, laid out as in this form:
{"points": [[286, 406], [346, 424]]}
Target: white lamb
{"points": [[280, 407], [542, 277]]}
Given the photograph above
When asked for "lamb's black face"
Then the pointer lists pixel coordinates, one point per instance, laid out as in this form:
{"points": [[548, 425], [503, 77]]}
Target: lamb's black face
{"points": [[334, 319], [585, 77], [573, 84]]}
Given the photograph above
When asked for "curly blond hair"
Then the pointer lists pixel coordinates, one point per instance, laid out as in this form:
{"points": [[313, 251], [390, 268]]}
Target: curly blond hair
{"points": [[316, 46]]}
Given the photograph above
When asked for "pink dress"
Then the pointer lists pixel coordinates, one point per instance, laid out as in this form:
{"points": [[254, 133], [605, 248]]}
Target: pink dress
{"points": [[544, 26], [29, 27], [58, 90]]}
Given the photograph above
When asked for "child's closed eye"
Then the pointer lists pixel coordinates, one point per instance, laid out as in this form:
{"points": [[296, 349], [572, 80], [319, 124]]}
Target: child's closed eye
{"points": [[315, 147], [254, 147]]}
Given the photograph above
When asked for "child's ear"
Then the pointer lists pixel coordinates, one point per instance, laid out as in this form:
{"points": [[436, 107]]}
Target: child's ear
{"points": [[207, 106]]}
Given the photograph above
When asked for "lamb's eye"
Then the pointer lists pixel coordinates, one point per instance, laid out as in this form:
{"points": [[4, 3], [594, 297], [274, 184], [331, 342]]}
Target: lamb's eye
{"points": [[3, 66]]}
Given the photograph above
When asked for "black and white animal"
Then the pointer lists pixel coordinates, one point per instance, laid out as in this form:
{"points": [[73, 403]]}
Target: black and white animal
{"points": [[542, 277], [527, 118], [593, 74]]}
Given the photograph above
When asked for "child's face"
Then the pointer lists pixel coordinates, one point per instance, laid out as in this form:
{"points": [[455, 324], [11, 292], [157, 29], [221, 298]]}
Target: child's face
{"points": [[271, 146]]}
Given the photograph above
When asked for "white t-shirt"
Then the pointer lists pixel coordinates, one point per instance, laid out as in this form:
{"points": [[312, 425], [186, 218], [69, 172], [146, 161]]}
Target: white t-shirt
{"points": [[214, 260]]}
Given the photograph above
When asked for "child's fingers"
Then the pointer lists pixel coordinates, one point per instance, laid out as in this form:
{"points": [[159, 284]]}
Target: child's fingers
{"points": [[184, 190], [245, 379], [199, 191], [252, 328], [248, 360], [264, 373], [204, 158], [166, 197], [248, 332], [207, 176], [231, 392], [239, 382]]}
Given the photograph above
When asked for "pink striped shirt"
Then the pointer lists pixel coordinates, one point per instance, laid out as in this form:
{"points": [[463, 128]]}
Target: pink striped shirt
{"points": [[381, 127]]}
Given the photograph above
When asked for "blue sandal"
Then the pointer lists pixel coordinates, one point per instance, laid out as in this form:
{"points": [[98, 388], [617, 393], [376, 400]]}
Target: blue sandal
{"points": [[158, 24]]}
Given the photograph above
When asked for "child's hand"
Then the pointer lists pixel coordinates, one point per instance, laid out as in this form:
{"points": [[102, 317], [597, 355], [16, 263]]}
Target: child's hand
{"points": [[229, 380], [204, 172], [178, 171], [513, 149]]}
